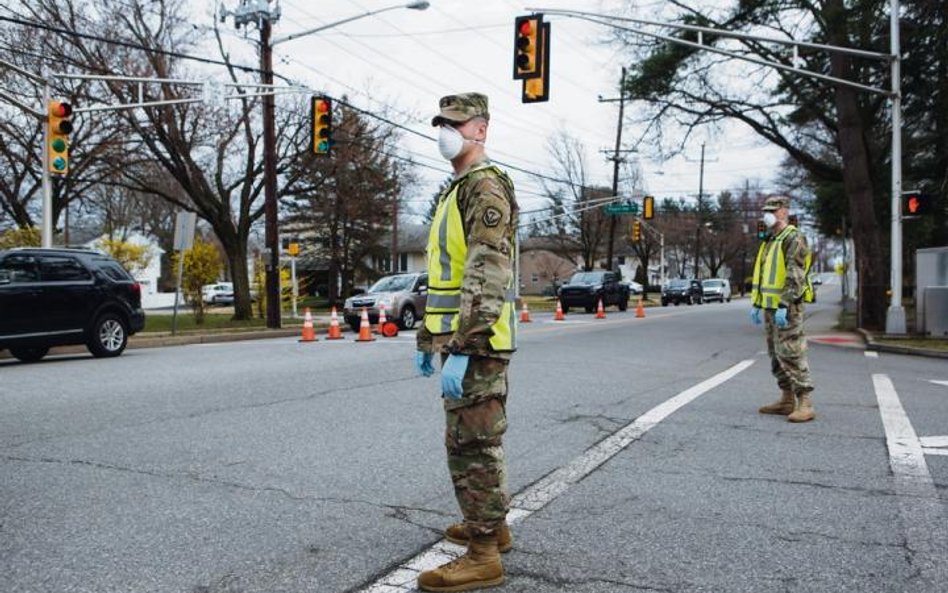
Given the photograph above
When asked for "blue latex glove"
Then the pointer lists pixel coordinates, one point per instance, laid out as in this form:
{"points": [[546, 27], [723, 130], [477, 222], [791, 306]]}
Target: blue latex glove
{"points": [[423, 363], [780, 317], [756, 316], [452, 374]]}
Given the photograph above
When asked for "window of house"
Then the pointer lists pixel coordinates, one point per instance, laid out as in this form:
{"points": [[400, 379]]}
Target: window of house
{"points": [[403, 262]]}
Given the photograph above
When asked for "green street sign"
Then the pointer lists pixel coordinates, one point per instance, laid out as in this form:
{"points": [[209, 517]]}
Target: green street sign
{"points": [[614, 209]]}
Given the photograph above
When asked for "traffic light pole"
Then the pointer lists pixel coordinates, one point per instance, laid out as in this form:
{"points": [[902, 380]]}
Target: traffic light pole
{"points": [[47, 230], [895, 315]]}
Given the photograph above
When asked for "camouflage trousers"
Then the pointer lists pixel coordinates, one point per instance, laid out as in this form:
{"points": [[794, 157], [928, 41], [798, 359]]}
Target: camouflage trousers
{"points": [[787, 349], [474, 430]]}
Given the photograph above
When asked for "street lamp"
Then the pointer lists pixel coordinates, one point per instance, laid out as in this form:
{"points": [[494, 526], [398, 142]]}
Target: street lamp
{"points": [[258, 11]]}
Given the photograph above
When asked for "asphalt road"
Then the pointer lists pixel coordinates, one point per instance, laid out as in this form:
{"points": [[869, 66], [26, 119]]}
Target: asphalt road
{"points": [[635, 450]]}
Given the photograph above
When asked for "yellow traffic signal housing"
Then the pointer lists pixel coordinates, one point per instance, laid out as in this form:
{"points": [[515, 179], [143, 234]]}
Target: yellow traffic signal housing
{"points": [[528, 46], [636, 231], [321, 115], [648, 207], [537, 89], [59, 126]]}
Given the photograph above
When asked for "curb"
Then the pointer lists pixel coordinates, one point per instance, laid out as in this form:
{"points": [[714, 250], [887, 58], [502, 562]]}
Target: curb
{"points": [[148, 341], [871, 344]]}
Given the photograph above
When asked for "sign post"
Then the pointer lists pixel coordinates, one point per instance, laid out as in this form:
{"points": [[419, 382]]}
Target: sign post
{"points": [[184, 223]]}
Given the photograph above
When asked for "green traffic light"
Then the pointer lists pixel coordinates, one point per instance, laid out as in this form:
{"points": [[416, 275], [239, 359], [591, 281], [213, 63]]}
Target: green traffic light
{"points": [[59, 163], [324, 146], [59, 145]]}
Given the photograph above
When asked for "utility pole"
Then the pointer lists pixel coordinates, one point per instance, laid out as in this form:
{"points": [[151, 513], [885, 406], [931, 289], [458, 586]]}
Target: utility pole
{"points": [[700, 212], [614, 220], [271, 238], [395, 234]]}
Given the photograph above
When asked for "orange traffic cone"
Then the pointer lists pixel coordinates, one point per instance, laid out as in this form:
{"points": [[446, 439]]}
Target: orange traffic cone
{"points": [[640, 309], [309, 334], [600, 311], [525, 314], [382, 320], [335, 333], [365, 328], [559, 312]]}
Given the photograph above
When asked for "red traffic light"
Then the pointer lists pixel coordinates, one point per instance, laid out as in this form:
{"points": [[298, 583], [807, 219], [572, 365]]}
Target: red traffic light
{"points": [[913, 204], [526, 27], [60, 109]]}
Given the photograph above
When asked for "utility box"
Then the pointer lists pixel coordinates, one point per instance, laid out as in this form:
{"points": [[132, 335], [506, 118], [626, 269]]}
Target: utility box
{"points": [[936, 311], [931, 271]]}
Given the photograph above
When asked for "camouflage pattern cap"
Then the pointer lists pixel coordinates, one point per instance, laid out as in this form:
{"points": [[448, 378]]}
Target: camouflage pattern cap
{"points": [[776, 203], [460, 108]]}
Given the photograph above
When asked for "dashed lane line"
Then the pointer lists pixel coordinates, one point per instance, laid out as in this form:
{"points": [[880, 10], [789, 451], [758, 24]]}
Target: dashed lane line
{"points": [[920, 510], [540, 494]]}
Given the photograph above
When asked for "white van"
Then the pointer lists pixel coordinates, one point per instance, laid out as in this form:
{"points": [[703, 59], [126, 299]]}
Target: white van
{"points": [[716, 289]]}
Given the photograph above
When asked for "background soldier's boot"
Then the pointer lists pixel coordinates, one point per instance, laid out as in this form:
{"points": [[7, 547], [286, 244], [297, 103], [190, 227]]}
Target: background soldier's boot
{"points": [[479, 568], [784, 407], [458, 534], [804, 410]]}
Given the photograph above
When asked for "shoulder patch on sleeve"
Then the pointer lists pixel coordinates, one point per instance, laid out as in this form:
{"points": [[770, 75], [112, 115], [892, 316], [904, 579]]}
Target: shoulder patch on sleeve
{"points": [[492, 217]]}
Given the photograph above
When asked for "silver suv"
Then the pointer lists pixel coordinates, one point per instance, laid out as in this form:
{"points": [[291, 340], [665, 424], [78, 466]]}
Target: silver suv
{"points": [[404, 297]]}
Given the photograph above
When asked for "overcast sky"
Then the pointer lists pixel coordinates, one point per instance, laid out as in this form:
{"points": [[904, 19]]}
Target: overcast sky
{"points": [[407, 59]]}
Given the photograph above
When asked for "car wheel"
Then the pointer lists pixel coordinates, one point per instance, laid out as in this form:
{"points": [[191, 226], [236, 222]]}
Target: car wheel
{"points": [[355, 326], [624, 304], [565, 308], [729, 299], [407, 319], [109, 336], [664, 303], [30, 353], [589, 308]]}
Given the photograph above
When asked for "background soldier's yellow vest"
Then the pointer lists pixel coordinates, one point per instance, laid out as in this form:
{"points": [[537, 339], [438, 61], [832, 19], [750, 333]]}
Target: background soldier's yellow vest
{"points": [[770, 273], [447, 252]]}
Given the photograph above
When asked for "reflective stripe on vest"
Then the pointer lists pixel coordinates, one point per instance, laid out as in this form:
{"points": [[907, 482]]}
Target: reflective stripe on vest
{"points": [[770, 273], [447, 253]]}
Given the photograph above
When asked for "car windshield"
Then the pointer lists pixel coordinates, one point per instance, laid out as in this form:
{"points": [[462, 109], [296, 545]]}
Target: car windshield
{"points": [[713, 283], [393, 284], [586, 278], [678, 283]]}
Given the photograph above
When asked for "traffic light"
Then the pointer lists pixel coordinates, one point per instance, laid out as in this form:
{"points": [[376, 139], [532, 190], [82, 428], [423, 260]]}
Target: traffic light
{"points": [[636, 231], [915, 203], [322, 125], [528, 46], [59, 126], [648, 207], [761, 230], [537, 89]]}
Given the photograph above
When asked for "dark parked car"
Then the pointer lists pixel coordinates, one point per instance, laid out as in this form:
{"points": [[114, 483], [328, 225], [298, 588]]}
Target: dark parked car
{"points": [[585, 289], [55, 297], [680, 291]]}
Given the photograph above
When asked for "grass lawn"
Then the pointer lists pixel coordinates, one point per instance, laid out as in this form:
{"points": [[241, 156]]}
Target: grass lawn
{"points": [[926, 343], [212, 322]]}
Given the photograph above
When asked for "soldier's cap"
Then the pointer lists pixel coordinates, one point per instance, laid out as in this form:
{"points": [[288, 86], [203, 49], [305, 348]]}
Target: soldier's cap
{"points": [[461, 108], [775, 203]]}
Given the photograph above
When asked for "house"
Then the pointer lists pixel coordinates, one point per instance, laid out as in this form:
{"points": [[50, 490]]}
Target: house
{"points": [[541, 269]]}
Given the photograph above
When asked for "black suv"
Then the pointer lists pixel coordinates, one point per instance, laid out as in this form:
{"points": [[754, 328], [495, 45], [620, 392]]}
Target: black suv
{"points": [[682, 291], [585, 289], [55, 297]]}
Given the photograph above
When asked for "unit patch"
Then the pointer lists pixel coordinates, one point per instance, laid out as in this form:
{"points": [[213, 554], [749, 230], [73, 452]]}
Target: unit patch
{"points": [[492, 217]]}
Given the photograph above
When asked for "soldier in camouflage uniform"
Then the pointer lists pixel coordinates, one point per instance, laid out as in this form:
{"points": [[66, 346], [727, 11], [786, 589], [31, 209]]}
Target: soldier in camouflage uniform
{"points": [[470, 321], [781, 287]]}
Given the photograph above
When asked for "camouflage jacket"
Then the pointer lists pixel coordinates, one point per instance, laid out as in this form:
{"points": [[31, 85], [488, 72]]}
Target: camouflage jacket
{"points": [[795, 251], [489, 216]]}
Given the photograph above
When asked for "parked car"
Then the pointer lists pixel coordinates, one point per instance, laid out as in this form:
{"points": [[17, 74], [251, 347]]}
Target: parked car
{"points": [[585, 289], [680, 291], [221, 293], [716, 289], [403, 295], [634, 287], [56, 297]]}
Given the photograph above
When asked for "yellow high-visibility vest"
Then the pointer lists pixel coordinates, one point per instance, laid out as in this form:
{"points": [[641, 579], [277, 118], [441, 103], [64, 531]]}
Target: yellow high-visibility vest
{"points": [[447, 252], [770, 273]]}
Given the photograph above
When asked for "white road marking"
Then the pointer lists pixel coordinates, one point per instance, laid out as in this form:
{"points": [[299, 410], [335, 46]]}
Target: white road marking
{"points": [[945, 383], [541, 493], [871, 354], [923, 523], [934, 445]]}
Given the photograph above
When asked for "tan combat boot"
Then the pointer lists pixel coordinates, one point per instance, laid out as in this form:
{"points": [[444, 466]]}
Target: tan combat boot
{"points": [[458, 534], [784, 407], [804, 410], [479, 568]]}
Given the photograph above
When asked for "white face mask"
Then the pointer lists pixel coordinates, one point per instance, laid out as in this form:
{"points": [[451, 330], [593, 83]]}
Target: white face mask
{"points": [[450, 142], [770, 219]]}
